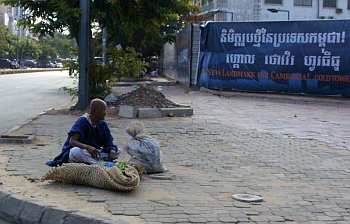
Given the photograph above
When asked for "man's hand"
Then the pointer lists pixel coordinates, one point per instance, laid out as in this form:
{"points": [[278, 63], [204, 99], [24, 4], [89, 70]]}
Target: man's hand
{"points": [[74, 141], [93, 151], [113, 155]]}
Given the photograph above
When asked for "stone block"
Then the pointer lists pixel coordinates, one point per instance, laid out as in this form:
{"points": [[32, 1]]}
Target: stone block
{"points": [[148, 113], [53, 216], [31, 213], [75, 218], [127, 111], [177, 112], [3, 195], [10, 208], [19, 139]]}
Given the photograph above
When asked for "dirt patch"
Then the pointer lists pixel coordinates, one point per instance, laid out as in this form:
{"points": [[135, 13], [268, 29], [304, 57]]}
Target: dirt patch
{"points": [[145, 96]]}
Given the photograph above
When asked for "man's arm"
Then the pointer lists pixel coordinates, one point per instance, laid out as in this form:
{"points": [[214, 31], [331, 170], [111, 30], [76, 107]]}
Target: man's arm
{"points": [[109, 139], [74, 141]]}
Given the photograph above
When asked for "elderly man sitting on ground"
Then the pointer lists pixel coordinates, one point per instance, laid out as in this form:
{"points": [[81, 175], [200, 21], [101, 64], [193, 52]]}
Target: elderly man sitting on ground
{"points": [[89, 140]]}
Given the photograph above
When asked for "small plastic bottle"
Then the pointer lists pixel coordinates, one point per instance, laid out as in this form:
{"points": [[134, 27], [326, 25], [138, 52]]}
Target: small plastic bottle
{"points": [[108, 164]]}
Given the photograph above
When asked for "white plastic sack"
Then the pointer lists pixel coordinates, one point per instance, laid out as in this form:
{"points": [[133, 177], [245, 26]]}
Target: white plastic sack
{"points": [[145, 151]]}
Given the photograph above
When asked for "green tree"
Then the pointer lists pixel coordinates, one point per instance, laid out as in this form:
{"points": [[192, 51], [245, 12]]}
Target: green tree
{"points": [[131, 23], [25, 48], [62, 44], [6, 40], [144, 25]]}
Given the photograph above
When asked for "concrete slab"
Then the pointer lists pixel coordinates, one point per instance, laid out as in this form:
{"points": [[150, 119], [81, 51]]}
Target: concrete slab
{"points": [[31, 213], [148, 113], [177, 112], [10, 208], [19, 139], [126, 111], [53, 216]]}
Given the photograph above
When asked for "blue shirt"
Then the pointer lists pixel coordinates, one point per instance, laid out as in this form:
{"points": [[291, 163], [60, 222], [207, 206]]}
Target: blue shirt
{"points": [[98, 136]]}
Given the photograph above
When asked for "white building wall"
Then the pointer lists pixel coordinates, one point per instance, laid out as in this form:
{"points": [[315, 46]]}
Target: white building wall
{"points": [[242, 12], [305, 12], [3, 15], [256, 10], [15, 14]]}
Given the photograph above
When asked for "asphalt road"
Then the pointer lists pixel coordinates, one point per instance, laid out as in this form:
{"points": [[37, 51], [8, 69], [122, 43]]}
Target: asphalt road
{"points": [[3, 222], [23, 96]]}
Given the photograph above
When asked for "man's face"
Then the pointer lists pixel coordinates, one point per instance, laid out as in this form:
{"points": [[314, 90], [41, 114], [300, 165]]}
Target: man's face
{"points": [[101, 113]]}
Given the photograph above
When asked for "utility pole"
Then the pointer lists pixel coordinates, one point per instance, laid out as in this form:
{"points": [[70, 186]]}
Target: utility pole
{"points": [[84, 39], [104, 43]]}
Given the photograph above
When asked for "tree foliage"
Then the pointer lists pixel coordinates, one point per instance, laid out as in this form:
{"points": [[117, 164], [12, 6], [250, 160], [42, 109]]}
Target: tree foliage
{"points": [[43, 49], [126, 62], [6, 39], [144, 25]]}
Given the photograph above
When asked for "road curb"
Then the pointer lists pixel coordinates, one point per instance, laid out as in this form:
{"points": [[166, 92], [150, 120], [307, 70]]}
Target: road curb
{"points": [[17, 127], [144, 82], [276, 96], [126, 111], [16, 209], [17, 71]]}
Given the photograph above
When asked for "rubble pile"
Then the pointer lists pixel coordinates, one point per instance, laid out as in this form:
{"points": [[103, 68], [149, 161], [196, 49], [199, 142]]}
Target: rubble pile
{"points": [[145, 96]]}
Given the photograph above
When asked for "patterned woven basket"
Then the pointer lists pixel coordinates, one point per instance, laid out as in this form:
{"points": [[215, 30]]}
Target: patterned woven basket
{"points": [[95, 176]]}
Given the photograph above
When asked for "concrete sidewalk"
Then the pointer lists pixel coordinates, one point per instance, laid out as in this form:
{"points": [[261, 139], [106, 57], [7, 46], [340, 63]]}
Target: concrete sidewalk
{"points": [[231, 145]]}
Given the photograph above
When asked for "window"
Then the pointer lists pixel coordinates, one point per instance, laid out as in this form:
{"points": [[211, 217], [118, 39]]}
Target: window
{"points": [[348, 4], [330, 3], [279, 2], [303, 2]]}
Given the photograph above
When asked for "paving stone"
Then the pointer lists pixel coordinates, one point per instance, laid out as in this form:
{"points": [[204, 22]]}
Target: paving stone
{"points": [[177, 111], [229, 148], [181, 220], [3, 195], [168, 220], [131, 212], [53, 216], [227, 219], [266, 218], [127, 111], [117, 212], [97, 199], [197, 220], [31, 213], [11, 207], [148, 113], [75, 218]]}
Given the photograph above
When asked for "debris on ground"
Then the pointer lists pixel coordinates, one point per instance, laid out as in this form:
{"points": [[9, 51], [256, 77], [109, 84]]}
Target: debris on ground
{"points": [[111, 98], [145, 96]]}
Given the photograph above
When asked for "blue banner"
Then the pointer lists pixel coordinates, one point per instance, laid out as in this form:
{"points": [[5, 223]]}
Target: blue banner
{"points": [[285, 56]]}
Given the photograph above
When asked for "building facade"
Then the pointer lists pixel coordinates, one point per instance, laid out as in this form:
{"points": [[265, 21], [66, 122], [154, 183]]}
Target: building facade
{"points": [[9, 17], [274, 10], [4, 18]]}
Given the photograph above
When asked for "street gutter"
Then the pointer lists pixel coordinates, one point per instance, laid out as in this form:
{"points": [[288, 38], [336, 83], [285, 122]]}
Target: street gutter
{"points": [[17, 209], [16, 71]]}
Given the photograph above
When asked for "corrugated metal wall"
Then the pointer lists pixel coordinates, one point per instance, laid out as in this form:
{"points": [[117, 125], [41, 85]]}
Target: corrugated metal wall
{"points": [[169, 61], [180, 60], [196, 38]]}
